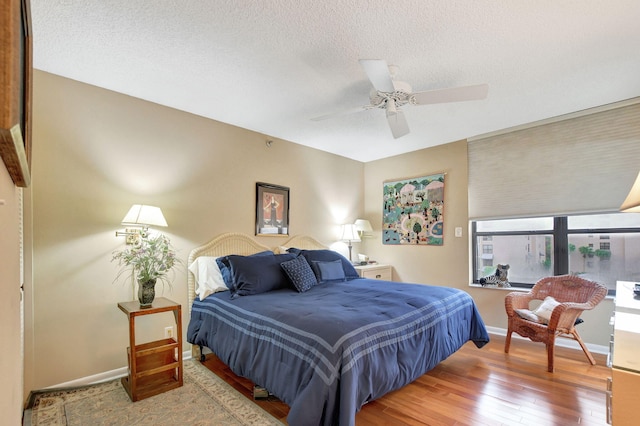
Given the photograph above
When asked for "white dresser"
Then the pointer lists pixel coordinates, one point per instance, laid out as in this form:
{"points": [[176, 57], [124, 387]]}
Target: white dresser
{"points": [[624, 358], [375, 271]]}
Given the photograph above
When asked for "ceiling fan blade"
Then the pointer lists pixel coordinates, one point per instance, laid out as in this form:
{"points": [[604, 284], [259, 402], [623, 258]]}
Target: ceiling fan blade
{"points": [[341, 113], [453, 94], [378, 72], [397, 122]]}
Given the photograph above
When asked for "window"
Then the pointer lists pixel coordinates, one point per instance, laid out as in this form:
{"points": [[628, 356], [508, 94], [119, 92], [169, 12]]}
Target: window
{"points": [[604, 248]]}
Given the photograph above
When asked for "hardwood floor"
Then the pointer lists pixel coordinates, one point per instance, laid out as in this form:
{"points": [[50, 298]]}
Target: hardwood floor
{"points": [[481, 387]]}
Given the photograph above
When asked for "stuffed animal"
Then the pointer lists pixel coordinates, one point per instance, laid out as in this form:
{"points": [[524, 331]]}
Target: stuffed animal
{"points": [[499, 278]]}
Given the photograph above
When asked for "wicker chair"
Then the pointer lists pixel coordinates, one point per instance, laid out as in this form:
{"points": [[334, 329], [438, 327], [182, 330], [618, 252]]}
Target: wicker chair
{"points": [[575, 295]]}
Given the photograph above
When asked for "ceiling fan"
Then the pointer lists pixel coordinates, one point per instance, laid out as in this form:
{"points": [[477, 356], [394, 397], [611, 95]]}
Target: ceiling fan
{"points": [[390, 94]]}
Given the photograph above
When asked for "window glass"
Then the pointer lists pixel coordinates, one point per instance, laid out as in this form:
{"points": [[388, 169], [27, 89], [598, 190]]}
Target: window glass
{"points": [[527, 224], [605, 260], [529, 257], [604, 248], [604, 221]]}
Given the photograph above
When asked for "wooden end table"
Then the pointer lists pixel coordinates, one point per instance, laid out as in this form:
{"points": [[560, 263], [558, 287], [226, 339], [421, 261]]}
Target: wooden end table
{"points": [[154, 367]]}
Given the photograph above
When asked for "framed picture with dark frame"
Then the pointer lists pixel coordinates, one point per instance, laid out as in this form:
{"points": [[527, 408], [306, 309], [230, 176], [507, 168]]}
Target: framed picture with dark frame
{"points": [[272, 209], [16, 73]]}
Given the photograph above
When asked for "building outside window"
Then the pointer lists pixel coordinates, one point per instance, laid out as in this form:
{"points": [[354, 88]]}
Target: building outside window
{"points": [[603, 248]]}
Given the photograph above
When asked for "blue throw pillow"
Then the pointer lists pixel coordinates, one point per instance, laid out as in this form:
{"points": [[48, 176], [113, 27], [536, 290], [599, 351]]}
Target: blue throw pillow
{"points": [[350, 272], [329, 271], [225, 270], [225, 267], [258, 274], [300, 273]]}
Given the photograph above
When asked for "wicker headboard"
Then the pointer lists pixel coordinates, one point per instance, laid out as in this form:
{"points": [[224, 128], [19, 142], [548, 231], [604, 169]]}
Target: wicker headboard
{"points": [[302, 242], [244, 245]]}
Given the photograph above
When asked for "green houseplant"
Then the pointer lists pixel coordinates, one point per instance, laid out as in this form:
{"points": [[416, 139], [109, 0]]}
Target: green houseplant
{"points": [[148, 261]]}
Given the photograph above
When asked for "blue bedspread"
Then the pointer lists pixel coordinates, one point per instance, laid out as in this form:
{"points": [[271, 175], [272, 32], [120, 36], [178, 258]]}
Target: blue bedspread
{"points": [[328, 351]]}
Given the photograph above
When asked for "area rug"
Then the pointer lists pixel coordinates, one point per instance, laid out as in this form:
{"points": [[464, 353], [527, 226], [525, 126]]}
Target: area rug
{"points": [[204, 399]]}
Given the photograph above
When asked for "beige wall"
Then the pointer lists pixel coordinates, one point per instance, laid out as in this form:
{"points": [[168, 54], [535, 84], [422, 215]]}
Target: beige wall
{"points": [[11, 389], [97, 152], [448, 265]]}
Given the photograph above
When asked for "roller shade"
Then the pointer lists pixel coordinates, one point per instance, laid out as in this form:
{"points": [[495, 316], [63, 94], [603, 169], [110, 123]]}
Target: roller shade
{"points": [[585, 164]]}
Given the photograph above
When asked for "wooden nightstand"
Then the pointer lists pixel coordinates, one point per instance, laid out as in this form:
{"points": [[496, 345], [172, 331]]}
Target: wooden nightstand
{"points": [[375, 271], [154, 367]]}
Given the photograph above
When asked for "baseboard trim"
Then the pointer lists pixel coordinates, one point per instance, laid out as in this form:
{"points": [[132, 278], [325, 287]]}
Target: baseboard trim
{"points": [[562, 342], [103, 377]]}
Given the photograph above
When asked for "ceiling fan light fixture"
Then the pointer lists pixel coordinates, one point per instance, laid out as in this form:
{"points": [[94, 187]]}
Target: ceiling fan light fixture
{"points": [[391, 107], [392, 95]]}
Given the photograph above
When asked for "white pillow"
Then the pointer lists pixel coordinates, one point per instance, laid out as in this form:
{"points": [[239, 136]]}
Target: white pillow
{"points": [[546, 308], [528, 315], [208, 276]]}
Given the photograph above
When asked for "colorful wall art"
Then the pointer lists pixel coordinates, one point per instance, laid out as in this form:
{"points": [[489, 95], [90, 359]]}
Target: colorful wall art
{"points": [[413, 211]]}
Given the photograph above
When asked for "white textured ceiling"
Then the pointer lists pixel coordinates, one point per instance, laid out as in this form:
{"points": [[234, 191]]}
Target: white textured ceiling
{"points": [[272, 65]]}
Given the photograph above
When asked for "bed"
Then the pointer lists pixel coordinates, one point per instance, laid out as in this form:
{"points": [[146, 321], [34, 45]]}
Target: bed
{"points": [[328, 349]]}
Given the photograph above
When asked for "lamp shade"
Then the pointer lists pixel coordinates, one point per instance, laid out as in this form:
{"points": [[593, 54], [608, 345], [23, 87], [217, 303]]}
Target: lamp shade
{"points": [[140, 214], [349, 233], [632, 202], [363, 225]]}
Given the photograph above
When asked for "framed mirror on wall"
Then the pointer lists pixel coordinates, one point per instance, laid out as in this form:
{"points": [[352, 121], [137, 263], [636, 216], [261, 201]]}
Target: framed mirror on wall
{"points": [[16, 77]]}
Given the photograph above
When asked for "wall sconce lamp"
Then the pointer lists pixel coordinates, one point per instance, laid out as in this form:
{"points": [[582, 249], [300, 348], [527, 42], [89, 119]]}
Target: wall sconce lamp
{"points": [[363, 226], [140, 217], [349, 234], [632, 202]]}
